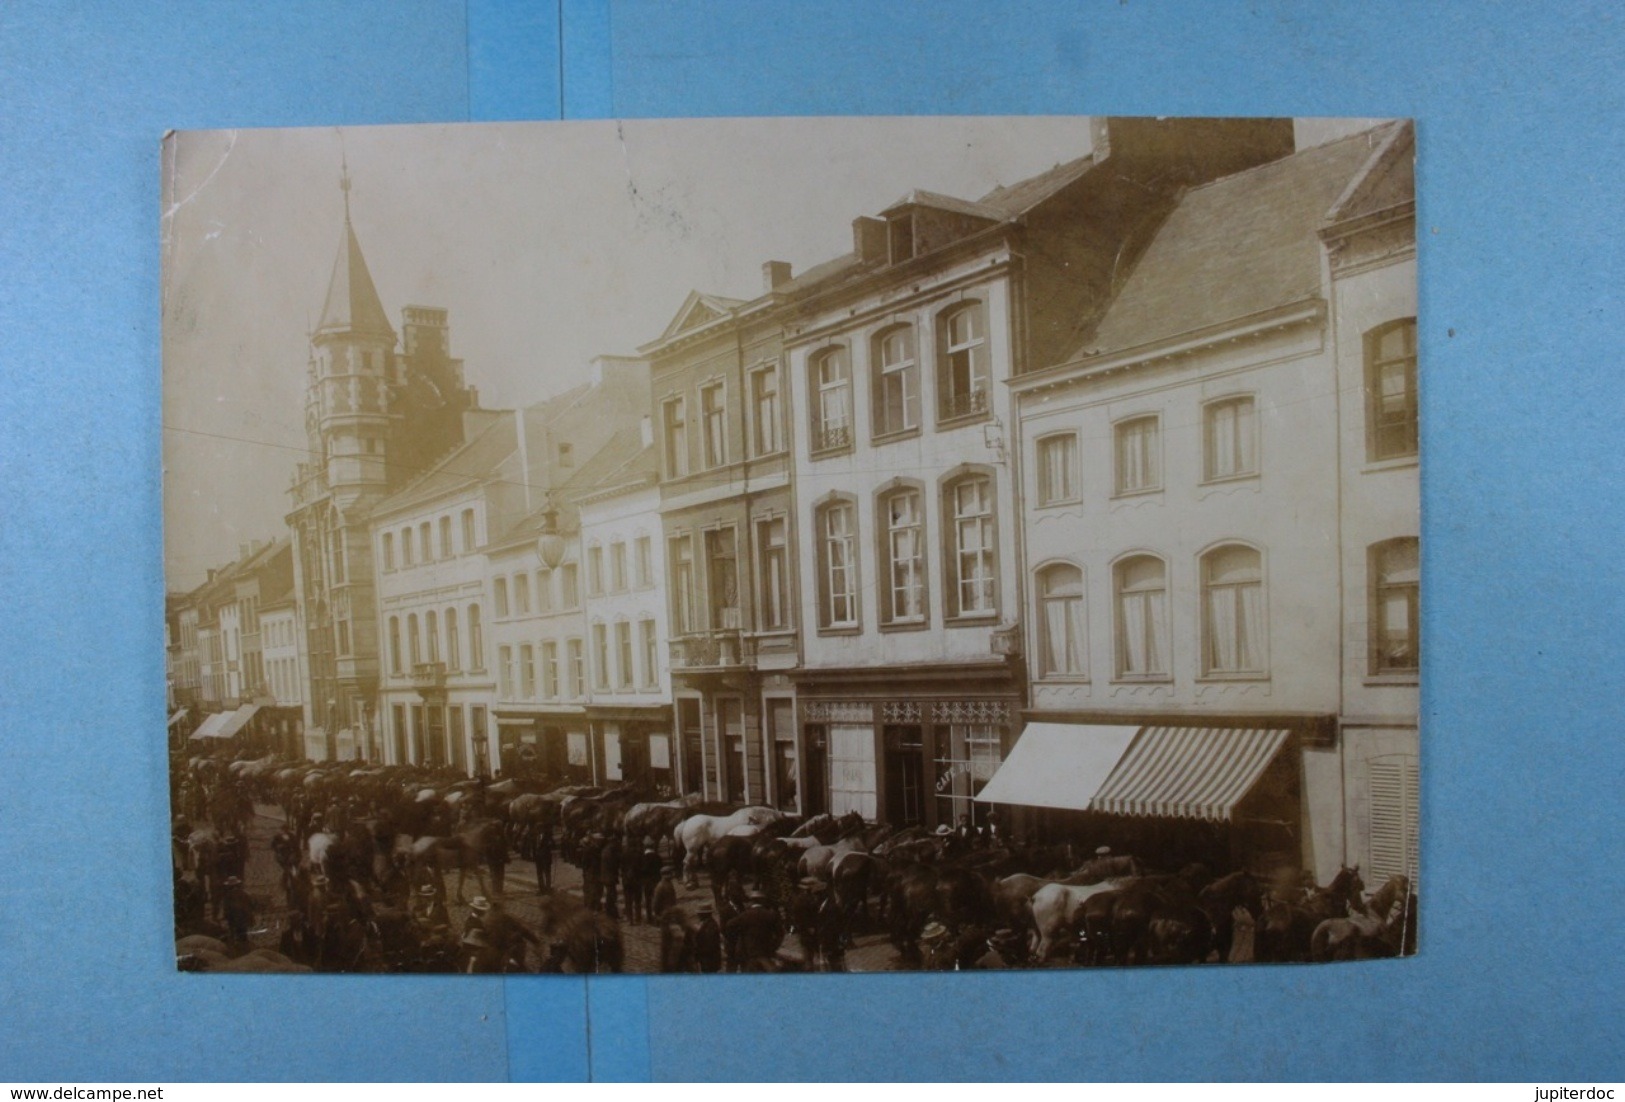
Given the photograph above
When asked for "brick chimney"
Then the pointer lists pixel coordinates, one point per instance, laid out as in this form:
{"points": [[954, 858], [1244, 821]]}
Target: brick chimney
{"points": [[775, 274]]}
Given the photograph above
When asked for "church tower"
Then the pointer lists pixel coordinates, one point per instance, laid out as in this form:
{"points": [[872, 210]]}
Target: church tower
{"points": [[374, 418]]}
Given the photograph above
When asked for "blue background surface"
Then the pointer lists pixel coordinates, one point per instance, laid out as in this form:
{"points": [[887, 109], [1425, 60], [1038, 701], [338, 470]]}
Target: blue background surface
{"points": [[1518, 112]]}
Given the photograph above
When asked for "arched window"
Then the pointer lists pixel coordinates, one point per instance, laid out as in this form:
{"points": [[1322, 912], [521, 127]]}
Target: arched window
{"points": [[388, 555], [454, 650], [902, 550], [476, 639], [836, 525], [1141, 592], [962, 363], [1230, 439], [1396, 606], [972, 567], [1061, 650], [406, 547], [499, 594], [414, 650], [395, 644], [431, 632], [1390, 390], [831, 378], [896, 374], [1233, 611]]}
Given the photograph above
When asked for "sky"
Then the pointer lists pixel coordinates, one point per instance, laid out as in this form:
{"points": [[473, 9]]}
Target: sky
{"points": [[549, 243]]}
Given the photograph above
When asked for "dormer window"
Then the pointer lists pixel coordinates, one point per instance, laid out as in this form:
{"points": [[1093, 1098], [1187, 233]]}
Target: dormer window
{"points": [[900, 238]]}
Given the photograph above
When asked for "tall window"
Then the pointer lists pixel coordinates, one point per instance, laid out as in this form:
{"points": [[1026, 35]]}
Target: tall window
{"points": [[1058, 468], [714, 425], [395, 644], [406, 547], [962, 370], [454, 650], [651, 654], [832, 401], [431, 634], [682, 585], [674, 421], [1395, 606], [722, 578], [773, 574], [499, 596], [476, 639], [388, 550], [414, 646], [897, 382], [837, 565], [1232, 611], [617, 566], [764, 401], [1390, 390], [521, 594], [544, 590], [1230, 439], [569, 586], [550, 670], [445, 537], [527, 671], [903, 598], [645, 560], [505, 672], [1142, 610], [1061, 650], [468, 530], [595, 571], [577, 660], [1139, 455], [974, 568], [425, 541], [624, 669]]}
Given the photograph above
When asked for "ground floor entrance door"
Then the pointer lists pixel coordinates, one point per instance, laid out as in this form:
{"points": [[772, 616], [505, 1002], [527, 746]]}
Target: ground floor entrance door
{"points": [[905, 775]]}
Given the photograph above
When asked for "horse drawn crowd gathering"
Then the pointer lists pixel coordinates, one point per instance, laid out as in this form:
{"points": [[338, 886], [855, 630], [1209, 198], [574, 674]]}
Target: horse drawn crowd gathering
{"points": [[372, 865]]}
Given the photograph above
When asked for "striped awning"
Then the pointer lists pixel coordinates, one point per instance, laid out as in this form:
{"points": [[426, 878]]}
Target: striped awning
{"points": [[1059, 765], [1188, 772], [235, 721]]}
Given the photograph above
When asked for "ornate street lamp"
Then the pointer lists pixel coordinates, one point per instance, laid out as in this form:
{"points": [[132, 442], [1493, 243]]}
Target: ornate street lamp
{"points": [[550, 544]]}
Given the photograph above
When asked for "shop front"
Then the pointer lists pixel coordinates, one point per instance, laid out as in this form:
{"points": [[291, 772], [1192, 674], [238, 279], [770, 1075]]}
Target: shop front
{"points": [[633, 746], [913, 752]]}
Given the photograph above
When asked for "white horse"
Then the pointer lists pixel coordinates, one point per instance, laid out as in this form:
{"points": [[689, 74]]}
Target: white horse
{"points": [[1055, 910], [697, 832]]}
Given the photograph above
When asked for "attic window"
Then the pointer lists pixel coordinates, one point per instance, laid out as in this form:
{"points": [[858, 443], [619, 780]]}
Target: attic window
{"points": [[900, 234], [566, 458]]}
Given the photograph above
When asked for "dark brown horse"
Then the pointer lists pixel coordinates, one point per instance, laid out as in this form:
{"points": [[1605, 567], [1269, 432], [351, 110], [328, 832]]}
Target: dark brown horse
{"points": [[584, 940]]}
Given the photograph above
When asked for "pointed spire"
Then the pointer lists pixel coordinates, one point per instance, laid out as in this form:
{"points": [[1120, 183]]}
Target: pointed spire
{"points": [[352, 304]]}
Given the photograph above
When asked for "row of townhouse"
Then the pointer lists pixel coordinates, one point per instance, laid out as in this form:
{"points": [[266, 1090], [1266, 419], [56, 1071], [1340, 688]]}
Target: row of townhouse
{"points": [[233, 652], [1092, 501]]}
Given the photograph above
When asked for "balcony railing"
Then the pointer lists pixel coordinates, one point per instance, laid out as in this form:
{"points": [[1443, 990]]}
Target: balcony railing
{"points": [[429, 677], [711, 650], [831, 437], [964, 405]]}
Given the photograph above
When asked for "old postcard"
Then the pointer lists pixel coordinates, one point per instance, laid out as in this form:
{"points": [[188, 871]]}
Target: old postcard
{"points": [[792, 545]]}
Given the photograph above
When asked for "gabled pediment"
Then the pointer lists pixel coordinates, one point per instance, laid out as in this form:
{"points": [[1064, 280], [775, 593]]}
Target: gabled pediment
{"points": [[699, 310]]}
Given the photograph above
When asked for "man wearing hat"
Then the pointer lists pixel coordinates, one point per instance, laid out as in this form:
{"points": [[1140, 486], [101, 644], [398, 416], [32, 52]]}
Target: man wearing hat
{"points": [[479, 957], [428, 914], [755, 935], [707, 940], [804, 906], [239, 909]]}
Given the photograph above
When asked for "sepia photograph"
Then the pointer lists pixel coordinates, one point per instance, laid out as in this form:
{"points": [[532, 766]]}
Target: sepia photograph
{"points": [[792, 545]]}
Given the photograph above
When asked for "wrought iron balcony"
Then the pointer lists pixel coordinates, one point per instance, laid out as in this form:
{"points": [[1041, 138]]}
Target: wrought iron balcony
{"points": [[964, 405], [711, 650], [831, 437], [429, 677]]}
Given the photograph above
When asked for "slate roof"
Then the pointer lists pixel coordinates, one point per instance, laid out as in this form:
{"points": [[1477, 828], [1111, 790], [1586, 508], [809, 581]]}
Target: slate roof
{"points": [[1238, 246], [470, 464], [1024, 195], [352, 301]]}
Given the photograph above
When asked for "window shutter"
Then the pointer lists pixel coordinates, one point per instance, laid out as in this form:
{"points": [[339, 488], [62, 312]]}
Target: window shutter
{"points": [[1394, 798]]}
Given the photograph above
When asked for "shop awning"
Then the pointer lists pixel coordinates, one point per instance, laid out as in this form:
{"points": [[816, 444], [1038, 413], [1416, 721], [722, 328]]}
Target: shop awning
{"points": [[1159, 772], [235, 721], [1058, 765], [176, 716], [1188, 772], [210, 727]]}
